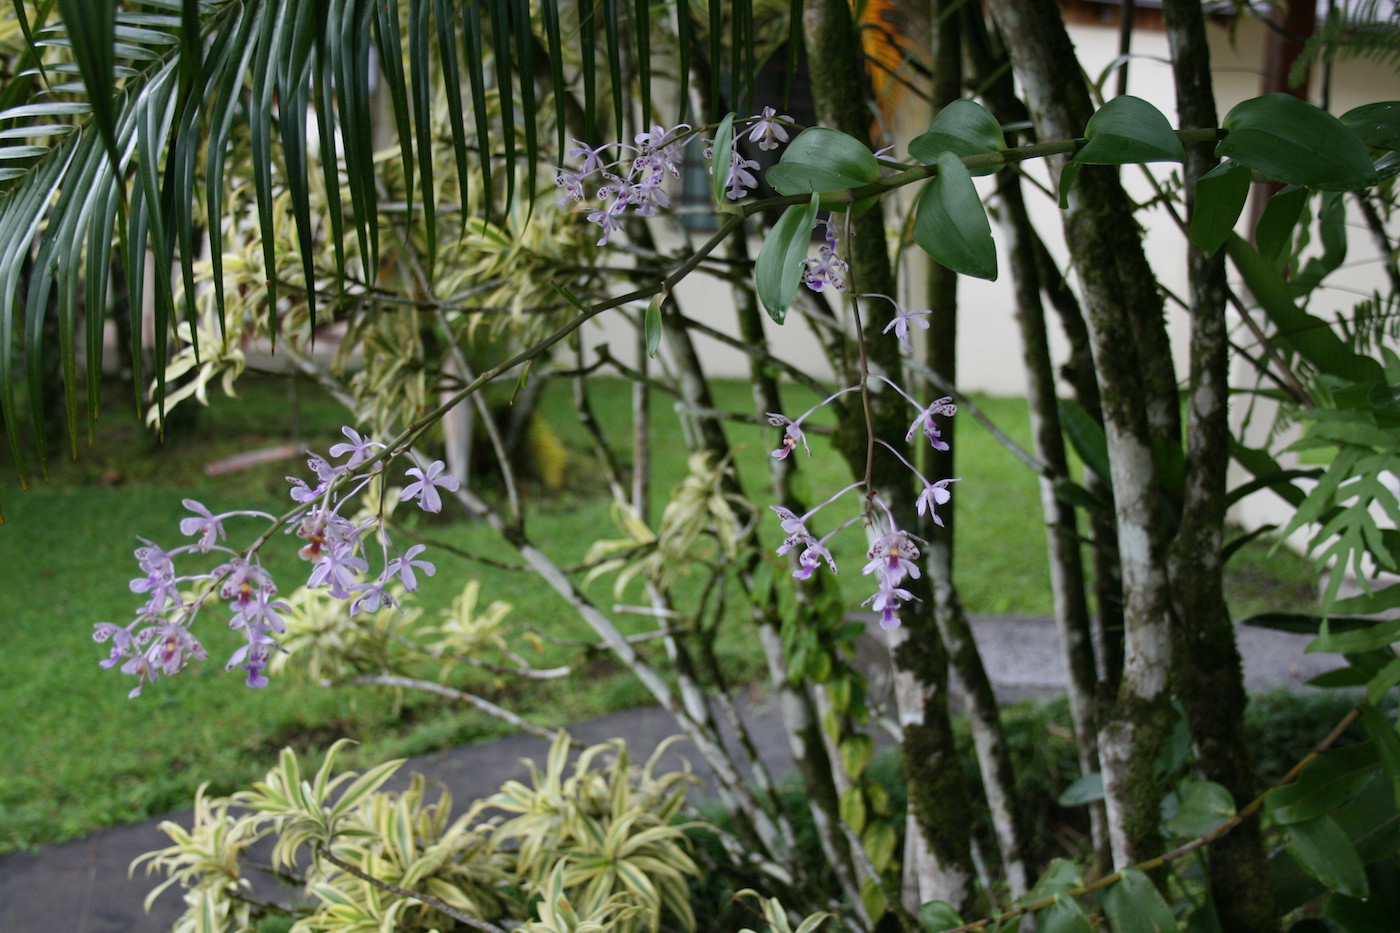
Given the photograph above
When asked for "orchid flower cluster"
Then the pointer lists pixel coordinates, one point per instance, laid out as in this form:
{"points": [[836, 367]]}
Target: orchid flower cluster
{"points": [[636, 178], [893, 555], [158, 642]]}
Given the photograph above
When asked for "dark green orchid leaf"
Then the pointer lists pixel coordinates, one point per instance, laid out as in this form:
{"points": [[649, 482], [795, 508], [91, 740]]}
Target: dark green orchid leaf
{"points": [[1134, 905], [1310, 336], [938, 915], [822, 159], [952, 225], [1292, 141], [1220, 197], [1201, 806], [1062, 916], [1280, 216], [1377, 125], [963, 128], [721, 154], [1126, 130], [1323, 850], [778, 270]]}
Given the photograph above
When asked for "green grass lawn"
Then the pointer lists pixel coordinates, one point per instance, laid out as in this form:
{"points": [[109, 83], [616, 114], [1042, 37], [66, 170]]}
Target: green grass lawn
{"points": [[77, 754]]}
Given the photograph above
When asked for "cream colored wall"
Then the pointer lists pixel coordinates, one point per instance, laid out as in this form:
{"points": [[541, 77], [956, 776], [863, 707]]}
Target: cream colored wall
{"points": [[989, 343]]}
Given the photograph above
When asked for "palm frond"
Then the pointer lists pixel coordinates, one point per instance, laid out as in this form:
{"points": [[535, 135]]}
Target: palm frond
{"points": [[1365, 29], [118, 129]]}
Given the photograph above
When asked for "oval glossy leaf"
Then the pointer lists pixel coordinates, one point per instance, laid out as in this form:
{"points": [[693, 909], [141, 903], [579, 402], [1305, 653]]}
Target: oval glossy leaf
{"points": [[1086, 788], [1203, 805], [1292, 141], [1322, 850], [1325, 785], [1376, 125], [651, 326], [1128, 129], [720, 155], [1220, 197], [952, 224], [822, 159], [778, 270], [1278, 220], [1134, 905], [963, 128], [936, 916], [1063, 916], [1060, 877], [857, 751]]}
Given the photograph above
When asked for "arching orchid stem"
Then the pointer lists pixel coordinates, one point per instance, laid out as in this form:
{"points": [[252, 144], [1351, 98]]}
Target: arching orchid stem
{"points": [[865, 405]]}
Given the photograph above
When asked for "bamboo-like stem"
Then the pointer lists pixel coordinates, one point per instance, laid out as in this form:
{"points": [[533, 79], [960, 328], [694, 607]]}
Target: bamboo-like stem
{"points": [[486, 706]]}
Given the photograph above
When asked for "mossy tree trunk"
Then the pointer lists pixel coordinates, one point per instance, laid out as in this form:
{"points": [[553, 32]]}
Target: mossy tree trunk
{"points": [[938, 863], [983, 713], [1208, 668], [1133, 362], [1069, 590]]}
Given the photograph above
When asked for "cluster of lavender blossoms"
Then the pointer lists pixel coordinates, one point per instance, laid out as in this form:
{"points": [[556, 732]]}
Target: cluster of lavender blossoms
{"points": [[159, 641], [636, 177], [894, 553]]}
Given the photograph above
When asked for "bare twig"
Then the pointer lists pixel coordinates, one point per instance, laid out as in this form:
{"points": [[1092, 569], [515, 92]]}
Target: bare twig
{"points": [[486, 706]]}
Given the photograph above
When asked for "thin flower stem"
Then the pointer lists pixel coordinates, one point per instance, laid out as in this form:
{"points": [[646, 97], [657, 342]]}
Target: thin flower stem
{"points": [[824, 402], [815, 509], [913, 469], [428, 899], [897, 387], [865, 401]]}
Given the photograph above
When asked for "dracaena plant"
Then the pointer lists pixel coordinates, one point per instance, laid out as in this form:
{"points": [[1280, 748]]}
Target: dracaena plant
{"points": [[112, 159], [587, 844]]}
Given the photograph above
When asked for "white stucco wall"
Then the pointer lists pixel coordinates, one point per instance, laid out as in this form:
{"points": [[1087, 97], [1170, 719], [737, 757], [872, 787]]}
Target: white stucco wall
{"points": [[989, 342]]}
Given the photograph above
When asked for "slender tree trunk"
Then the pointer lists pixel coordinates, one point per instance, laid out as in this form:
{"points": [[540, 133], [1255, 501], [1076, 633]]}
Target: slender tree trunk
{"points": [[1125, 317], [1211, 684], [984, 715], [938, 863], [1067, 584], [1103, 532], [1037, 265]]}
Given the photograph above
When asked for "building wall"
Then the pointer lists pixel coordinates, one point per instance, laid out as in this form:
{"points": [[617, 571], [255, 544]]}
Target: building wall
{"points": [[989, 342]]}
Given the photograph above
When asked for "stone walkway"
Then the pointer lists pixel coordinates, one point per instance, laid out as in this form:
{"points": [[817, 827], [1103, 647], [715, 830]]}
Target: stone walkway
{"points": [[82, 886]]}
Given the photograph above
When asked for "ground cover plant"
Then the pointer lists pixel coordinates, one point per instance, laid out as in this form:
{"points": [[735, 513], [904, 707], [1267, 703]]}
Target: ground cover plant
{"points": [[460, 292], [142, 768]]}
